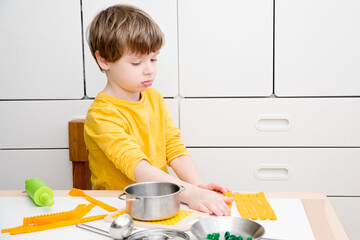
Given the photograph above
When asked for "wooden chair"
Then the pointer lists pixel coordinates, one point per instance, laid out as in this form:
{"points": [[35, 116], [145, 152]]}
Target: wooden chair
{"points": [[79, 155]]}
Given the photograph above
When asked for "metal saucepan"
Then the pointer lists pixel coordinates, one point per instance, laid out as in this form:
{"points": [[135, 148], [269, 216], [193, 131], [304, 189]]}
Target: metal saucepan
{"points": [[235, 225], [151, 201]]}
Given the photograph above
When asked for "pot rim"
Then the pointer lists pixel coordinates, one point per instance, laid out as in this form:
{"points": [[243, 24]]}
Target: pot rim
{"points": [[181, 188]]}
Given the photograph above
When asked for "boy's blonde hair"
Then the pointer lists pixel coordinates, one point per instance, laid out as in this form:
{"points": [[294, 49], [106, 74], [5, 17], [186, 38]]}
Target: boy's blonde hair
{"points": [[123, 29]]}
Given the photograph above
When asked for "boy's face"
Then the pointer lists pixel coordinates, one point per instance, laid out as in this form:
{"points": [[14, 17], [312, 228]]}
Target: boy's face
{"points": [[131, 74]]}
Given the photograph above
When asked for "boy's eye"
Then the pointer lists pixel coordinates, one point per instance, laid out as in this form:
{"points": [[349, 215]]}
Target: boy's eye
{"points": [[135, 63], [153, 59]]}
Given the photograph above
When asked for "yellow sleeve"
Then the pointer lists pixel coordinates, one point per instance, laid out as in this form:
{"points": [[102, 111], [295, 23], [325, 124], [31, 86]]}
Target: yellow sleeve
{"points": [[174, 145], [107, 131]]}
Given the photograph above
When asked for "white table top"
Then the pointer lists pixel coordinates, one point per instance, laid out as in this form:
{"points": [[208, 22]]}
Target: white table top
{"points": [[320, 214]]}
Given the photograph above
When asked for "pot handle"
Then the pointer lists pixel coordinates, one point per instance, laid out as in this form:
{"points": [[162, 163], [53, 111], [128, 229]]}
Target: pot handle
{"points": [[132, 199]]}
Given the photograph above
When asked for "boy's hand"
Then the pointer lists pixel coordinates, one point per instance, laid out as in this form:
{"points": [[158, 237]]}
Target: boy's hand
{"points": [[215, 187], [208, 201]]}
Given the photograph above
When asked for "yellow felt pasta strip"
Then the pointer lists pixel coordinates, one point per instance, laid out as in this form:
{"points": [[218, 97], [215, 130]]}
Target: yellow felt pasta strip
{"points": [[6, 230], [241, 206], [249, 207], [229, 194], [80, 193], [177, 218], [258, 207], [37, 228], [82, 212], [46, 218], [118, 214], [52, 217], [266, 205]]}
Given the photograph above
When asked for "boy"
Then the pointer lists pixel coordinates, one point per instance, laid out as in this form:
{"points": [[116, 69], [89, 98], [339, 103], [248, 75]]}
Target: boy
{"points": [[128, 129]]}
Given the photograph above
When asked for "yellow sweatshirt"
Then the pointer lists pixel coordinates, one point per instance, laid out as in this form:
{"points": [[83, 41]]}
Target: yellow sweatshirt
{"points": [[120, 133]]}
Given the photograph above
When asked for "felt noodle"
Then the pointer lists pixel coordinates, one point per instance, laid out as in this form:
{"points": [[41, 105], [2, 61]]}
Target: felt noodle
{"points": [[249, 207], [175, 219], [241, 206], [80, 193], [52, 217], [254, 205], [82, 212], [118, 214], [54, 220], [264, 202], [259, 208], [229, 194], [37, 228]]}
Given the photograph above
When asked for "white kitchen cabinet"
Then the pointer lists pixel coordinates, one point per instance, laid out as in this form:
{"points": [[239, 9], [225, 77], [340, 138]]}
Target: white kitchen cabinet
{"points": [[331, 171], [44, 124], [259, 122], [41, 48], [226, 48], [317, 50], [38, 124], [348, 209], [52, 166], [164, 14]]}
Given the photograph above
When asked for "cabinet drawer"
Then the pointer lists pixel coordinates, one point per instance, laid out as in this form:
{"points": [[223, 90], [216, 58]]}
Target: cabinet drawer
{"points": [[227, 49], [52, 166], [271, 122], [326, 170], [348, 209], [44, 124], [167, 75]]}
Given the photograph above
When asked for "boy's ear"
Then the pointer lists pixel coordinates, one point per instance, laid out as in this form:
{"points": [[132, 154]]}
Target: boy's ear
{"points": [[101, 61]]}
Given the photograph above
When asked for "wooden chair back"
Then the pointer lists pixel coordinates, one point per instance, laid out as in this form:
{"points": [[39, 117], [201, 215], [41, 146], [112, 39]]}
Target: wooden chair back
{"points": [[79, 155]]}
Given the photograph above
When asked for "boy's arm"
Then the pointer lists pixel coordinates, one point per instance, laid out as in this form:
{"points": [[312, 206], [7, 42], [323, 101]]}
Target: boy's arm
{"points": [[196, 198], [186, 170]]}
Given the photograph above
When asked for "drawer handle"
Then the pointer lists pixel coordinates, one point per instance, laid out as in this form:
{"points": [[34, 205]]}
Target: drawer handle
{"points": [[277, 172], [273, 122]]}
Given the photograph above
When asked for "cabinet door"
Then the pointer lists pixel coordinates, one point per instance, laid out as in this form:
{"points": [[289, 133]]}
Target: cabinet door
{"points": [[164, 14], [52, 166], [38, 124], [317, 50], [41, 48], [327, 170], [225, 48], [297, 122], [347, 209]]}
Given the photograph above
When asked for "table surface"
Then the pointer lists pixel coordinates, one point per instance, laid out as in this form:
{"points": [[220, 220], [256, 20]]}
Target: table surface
{"points": [[321, 215]]}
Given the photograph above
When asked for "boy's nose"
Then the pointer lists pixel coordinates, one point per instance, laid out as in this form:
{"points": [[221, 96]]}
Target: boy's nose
{"points": [[149, 69]]}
